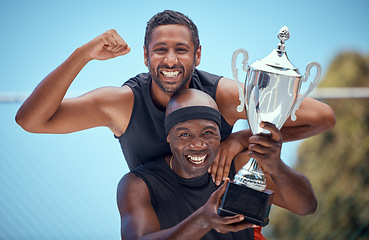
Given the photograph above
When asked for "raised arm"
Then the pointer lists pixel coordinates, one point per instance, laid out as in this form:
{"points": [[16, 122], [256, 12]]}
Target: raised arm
{"points": [[293, 190], [139, 220], [46, 110]]}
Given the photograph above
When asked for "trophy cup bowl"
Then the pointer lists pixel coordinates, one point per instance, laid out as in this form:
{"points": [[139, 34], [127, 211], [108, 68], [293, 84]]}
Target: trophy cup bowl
{"points": [[271, 94]]}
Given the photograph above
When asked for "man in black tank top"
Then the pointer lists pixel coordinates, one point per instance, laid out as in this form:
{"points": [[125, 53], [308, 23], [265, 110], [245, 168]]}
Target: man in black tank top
{"points": [[174, 197]]}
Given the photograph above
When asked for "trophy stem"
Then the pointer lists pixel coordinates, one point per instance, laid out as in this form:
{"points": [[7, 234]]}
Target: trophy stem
{"points": [[251, 176]]}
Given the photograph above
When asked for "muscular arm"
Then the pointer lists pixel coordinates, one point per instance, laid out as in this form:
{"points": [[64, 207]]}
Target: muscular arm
{"points": [[139, 220], [46, 110], [293, 190], [313, 118]]}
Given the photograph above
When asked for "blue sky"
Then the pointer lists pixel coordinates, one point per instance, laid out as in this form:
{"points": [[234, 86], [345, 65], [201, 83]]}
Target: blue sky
{"points": [[63, 186]]}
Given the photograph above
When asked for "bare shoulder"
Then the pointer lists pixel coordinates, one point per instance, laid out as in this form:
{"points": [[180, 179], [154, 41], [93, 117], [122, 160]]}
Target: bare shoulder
{"points": [[131, 187], [138, 216], [227, 87], [227, 98]]}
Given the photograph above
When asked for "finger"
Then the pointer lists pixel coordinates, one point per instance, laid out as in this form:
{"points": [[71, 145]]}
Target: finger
{"points": [[275, 133], [263, 146], [109, 42], [109, 39], [219, 171], [260, 148], [121, 44], [241, 226], [214, 166], [114, 43], [263, 141], [122, 52], [120, 49], [258, 156], [224, 223], [126, 50], [227, 167], [233, 224], [118, 39]]}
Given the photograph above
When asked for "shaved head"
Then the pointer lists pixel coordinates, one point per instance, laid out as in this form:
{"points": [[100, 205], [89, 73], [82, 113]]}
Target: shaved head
{"points": [[188, 98]]}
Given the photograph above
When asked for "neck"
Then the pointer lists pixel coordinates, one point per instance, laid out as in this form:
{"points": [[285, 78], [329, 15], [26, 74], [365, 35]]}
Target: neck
{"points": [[161, 98], [168, 159], [158, 97]]}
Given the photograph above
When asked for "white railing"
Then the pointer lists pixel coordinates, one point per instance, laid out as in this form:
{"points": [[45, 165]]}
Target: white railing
{"points": [[318, 93]]}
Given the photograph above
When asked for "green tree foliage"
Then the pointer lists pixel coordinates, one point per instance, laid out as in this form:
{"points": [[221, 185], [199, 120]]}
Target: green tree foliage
{"points": [[337, 164]]}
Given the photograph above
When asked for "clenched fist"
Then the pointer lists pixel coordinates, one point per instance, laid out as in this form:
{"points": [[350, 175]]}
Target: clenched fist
{"points": [[106, 46]]}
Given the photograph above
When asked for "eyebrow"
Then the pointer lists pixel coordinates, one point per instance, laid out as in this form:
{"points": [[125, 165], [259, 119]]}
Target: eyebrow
{"points": [[181, 129], [164, 44], [210, 127], [187, 129]]}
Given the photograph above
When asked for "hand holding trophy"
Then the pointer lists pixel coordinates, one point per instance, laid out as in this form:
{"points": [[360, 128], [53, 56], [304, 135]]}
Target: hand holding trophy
{"points": [[271, 94]]}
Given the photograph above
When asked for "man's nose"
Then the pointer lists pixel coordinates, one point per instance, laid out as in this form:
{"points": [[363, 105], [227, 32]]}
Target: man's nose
{"points": [[171, 58], [197, 143]]}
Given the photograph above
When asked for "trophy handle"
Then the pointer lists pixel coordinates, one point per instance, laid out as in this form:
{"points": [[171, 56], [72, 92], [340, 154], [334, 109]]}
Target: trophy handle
{"points": [[312, 86], [235, 75]]}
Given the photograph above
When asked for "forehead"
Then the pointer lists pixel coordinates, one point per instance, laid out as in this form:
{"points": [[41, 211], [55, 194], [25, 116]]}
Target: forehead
{"points": [[171, 34], [196, 125]]}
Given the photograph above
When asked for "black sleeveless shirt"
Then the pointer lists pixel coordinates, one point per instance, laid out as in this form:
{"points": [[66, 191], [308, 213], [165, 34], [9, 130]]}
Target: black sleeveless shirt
{"points": [[175, 198], [145, 138]]}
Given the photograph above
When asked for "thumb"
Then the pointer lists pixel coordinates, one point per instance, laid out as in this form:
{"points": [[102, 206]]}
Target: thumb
{"points": [[220, 191], [126, 50], [122, 52]]}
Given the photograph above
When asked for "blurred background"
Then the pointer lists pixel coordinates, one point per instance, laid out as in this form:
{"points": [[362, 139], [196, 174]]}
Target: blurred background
{"points": [[64, 186]]}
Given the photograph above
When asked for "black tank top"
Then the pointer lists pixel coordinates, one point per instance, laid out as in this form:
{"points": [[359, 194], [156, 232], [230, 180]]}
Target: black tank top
{"points": [[175, 198], [145, 138]]}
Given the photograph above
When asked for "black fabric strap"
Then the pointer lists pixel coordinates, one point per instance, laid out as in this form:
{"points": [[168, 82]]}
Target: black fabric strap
{"points": [[190, 113]]}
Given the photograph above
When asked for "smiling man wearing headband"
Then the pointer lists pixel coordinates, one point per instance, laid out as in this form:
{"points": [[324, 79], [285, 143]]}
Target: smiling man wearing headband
{"points": [[174, 197]]}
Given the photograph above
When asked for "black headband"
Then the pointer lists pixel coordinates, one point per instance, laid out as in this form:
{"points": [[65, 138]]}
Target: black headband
{"points": [[190, 113]]}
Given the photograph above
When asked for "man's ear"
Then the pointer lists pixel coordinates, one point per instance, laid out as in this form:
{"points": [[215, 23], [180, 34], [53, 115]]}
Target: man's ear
{"points": [[168, 141], [145, 56], [198, 55]]}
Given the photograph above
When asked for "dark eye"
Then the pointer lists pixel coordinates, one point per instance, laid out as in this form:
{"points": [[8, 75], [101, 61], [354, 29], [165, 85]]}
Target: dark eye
{"points": [[208, 133], [182, 50], [184, 134], [160, 50]]}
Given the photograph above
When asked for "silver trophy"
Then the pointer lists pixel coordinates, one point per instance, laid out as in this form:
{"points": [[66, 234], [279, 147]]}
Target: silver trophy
{"points": [[271, 94]]}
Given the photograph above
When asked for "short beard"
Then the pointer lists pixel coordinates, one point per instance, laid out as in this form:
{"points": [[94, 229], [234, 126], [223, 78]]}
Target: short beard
{"points": [[173, 90], [169, 90]]}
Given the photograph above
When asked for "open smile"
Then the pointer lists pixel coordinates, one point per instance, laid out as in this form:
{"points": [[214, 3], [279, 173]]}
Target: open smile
{"points": [[170, 74], [196, 159]]}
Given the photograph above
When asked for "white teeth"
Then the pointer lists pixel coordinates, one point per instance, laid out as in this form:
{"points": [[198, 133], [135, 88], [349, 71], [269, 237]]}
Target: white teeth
{"points": [[170, 74], [197, 160]]}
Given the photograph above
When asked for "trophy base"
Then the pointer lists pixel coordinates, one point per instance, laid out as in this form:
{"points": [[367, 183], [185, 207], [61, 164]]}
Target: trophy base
{"points": [[253, 204]]}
